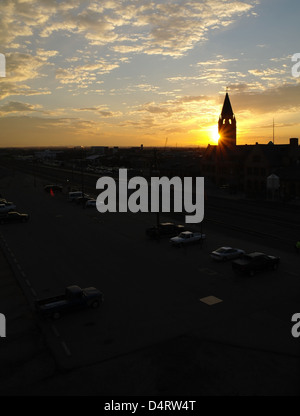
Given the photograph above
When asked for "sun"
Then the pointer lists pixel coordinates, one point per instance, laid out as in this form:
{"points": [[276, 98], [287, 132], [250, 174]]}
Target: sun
{"points": [[214, 134]]}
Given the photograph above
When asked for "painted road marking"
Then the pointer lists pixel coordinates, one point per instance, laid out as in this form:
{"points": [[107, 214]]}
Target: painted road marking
{"points": [[211, 300], [33, 292], [54, 329], [67, 351]]}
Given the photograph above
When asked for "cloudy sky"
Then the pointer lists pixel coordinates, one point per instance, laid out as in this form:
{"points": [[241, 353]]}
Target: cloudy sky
{"points": [[120, 72]]}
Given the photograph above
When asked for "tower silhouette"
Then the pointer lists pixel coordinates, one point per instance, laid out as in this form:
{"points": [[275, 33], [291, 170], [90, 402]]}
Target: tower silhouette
{"points": [[227, 125]]}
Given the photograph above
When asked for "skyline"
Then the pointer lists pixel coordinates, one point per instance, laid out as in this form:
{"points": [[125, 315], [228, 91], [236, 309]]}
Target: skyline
{"points": [[123, 73]]}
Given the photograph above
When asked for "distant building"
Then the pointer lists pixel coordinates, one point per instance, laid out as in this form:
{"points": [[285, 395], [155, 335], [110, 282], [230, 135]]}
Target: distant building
{"points": [[46, 155], [100, 150]]}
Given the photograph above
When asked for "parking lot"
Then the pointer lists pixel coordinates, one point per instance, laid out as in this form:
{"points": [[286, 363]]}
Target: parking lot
{"points": [[153, 294]]}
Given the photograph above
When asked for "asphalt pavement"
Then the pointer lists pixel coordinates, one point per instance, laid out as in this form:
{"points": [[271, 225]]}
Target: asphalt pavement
{"points": [[153, 323]]}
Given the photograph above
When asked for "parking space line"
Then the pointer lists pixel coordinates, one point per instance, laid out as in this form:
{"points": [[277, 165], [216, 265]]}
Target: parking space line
{"points": [[55, 331], [33, 292], [210, 300], [66, 349]]}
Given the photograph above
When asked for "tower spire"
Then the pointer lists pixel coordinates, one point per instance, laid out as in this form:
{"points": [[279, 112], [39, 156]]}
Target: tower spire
{"points": [[227, 124]]}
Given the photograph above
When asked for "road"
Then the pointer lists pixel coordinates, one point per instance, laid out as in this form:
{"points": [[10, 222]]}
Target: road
{"points": [[261, 218], [152, 291]]}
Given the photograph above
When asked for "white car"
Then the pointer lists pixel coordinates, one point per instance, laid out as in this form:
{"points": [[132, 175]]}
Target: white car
{"points": [[90, 203], [226, 253], [187, 237]]}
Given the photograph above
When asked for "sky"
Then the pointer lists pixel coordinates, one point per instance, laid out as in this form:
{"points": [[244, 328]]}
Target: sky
{"points": [[126, 73]]}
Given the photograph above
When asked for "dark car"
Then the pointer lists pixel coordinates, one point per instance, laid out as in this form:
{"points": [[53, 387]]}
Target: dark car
{"points": [[13, 216], [74, 298], [166, 229], [54, 188], [82, 200], [226, 253], [255, 262]]}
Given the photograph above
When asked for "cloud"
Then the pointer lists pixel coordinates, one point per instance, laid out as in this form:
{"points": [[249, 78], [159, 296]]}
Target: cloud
{"points": [[100, 110], [168, 28], [21, 18], [84, 74], [21, 67], [16, 106], [24, 66], [280, 99], [39, 131], [9, 88]]}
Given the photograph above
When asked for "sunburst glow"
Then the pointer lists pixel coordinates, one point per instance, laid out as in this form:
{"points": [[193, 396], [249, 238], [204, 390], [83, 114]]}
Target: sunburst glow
{"points": [[214, 134]]}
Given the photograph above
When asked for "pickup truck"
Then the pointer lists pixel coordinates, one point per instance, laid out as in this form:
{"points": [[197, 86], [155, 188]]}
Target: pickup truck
{"points": [[164, 229], [13, 216], [255, 262], [187, 237], [73, 298]]}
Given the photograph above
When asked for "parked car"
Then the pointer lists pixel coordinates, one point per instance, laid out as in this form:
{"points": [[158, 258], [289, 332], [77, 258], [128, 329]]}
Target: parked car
{"points": [[7, 207], [90, 203], [255, 262], [55, 188], [164, 229], [226, 253], [11, 205], [82, 200], [76, 194], [187, 237], [73, 298], [13, 216]]}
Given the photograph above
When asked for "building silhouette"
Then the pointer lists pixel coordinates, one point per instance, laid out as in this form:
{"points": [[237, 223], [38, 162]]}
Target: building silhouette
{"points": [[245, 168], [227, 125]]}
